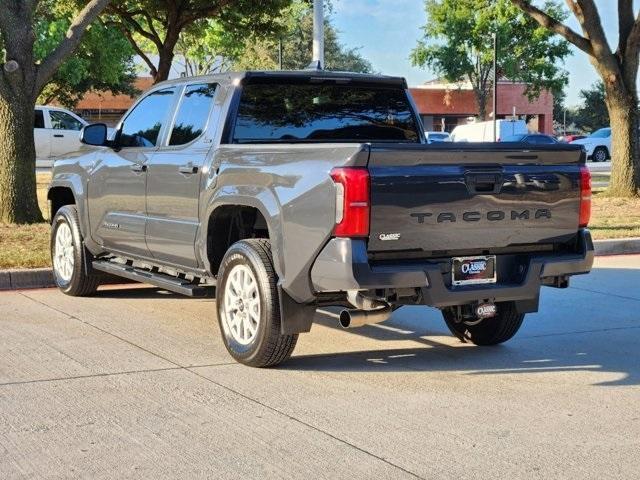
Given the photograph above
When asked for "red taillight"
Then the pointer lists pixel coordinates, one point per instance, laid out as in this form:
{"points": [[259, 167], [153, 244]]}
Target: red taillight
{"points": [[352, 201], [585, 196]]}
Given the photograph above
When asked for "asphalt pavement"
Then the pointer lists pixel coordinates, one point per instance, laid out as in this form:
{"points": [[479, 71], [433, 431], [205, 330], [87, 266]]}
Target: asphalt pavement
{"points": [[136, 383]]}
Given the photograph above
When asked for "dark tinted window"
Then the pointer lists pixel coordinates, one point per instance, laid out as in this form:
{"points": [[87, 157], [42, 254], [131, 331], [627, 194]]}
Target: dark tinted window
{"points": [[541, 139], [311, 112], [193, 113], [38, 121], [142, 126]]}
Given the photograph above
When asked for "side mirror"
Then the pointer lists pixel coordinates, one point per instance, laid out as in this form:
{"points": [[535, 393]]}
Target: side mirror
{"points": [[94, 134]]}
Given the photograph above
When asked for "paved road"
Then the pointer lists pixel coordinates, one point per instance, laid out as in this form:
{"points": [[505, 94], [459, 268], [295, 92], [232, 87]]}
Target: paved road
{"points": [[135, 383]]}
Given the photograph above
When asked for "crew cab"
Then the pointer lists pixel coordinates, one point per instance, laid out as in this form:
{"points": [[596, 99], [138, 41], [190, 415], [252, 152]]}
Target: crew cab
{"points": [[279, 192]]}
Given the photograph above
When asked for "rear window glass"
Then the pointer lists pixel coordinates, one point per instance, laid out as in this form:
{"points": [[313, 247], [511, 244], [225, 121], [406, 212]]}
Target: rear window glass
{"points": [[294, 112]]}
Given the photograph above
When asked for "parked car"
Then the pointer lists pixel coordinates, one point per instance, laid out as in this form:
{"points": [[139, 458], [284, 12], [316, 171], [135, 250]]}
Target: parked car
{"points": [[289, 191], [532, 138], [483, 131], [434, 137], [571, 138], [598, 145], [56, 133]]}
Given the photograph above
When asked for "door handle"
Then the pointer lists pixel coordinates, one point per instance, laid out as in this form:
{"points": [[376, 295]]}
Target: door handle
{"points": [[138, 168], [58, 135], [188, 169]]}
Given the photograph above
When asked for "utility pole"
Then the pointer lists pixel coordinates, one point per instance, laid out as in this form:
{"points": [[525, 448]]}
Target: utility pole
{"points": [[495, 86], [318, 35], [280, 54]]}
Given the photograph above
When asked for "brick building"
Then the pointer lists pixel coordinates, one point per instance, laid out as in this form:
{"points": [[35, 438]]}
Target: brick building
{"points": [[108, 108], [439, 104], [449, 105]]}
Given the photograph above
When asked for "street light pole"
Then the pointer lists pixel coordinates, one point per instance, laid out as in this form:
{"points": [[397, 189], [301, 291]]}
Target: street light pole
{"points": [[495, 86], [318, 34]]}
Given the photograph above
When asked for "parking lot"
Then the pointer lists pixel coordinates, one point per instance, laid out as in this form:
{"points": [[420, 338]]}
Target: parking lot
{"points": [[135, 382]]}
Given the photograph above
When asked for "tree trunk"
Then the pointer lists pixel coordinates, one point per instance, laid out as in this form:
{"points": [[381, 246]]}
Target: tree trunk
{"points": [[625, 148], [18, 199], [481, 103]]}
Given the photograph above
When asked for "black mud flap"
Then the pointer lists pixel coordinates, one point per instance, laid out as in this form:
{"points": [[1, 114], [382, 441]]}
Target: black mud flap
{"points": [[296, 317]]}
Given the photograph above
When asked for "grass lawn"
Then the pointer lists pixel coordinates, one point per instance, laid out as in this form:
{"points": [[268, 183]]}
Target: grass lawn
{"points": [[27, 246]]}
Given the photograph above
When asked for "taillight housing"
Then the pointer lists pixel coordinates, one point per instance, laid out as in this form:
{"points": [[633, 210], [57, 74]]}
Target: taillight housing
{"points": [[585, 196], [352, 201]]}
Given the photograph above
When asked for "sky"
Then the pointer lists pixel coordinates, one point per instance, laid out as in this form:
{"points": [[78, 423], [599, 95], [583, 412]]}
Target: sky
{"points": [[387, 31]]}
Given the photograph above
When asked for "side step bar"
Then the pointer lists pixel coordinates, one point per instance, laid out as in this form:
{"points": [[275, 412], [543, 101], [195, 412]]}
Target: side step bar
{"points": [[161, 280]]}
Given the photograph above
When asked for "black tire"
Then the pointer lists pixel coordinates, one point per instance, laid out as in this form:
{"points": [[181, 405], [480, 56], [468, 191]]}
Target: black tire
{"points": [[79, 283], [268, 347], [600, 154], [491, 331]]}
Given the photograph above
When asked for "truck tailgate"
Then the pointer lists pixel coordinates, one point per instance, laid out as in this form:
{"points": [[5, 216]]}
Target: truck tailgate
{"points": [[452, 197]]}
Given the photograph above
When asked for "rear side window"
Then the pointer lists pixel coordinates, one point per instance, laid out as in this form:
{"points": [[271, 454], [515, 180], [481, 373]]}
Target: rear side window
{"points": [[142, 126], [298, 112], [38, 121], [193, 113]]}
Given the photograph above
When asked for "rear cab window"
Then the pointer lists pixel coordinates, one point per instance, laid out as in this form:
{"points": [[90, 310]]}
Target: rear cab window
{"points": [[193, 113], [279, 110]]}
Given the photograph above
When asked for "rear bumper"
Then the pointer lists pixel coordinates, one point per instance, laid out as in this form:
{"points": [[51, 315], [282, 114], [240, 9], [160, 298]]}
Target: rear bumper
{"points": [[343, 265]]}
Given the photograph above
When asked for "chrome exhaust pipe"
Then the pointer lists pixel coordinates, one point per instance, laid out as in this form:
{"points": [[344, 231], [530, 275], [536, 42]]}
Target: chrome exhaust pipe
{"points": [[357, 318]]}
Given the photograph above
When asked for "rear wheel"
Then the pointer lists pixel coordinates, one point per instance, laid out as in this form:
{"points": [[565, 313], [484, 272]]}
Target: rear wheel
{"points": [[600, 154], [490, 331], [249, 308], [68, 256]]}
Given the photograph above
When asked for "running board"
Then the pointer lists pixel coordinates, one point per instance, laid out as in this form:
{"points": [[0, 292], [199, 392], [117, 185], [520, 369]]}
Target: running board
{"points": [[161, 280]]}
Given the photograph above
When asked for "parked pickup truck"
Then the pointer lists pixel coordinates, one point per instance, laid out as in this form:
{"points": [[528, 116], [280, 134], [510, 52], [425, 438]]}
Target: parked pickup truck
{"points": [[286, 191]]}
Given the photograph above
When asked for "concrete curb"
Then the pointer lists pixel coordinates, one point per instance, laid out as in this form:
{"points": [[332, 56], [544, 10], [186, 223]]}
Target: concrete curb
{"points": [[31, 278], [43, 277], [618, 246]]}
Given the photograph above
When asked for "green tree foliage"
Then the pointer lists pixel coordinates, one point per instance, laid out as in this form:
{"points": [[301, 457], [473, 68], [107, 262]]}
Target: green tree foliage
{"points": [[154, 27], [458, 46], [103, 61], [593, 113], [297, 41]]}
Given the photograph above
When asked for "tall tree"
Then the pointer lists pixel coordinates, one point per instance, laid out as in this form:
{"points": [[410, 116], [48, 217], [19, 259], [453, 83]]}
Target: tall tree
{"points": [[159, 23], [593, 113], [297, 40], [23, 75], [458, 45], [617, 65]]}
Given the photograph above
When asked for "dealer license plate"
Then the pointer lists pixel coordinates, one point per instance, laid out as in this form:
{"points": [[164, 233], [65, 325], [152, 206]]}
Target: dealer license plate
{"points": [[473, 270]]}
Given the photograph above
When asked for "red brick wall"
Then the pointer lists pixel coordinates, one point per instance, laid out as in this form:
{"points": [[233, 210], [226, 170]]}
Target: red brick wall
{"points": [[439, 102]]}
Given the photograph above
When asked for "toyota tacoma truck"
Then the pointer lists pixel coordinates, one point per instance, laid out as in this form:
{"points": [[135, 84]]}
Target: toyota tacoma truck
{"points": [[280, 192]]}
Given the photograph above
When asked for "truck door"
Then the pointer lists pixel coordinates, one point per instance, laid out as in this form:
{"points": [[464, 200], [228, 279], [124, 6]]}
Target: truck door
{"points": [[42, 137], [117, 186], [174, 177], [65, 133]]}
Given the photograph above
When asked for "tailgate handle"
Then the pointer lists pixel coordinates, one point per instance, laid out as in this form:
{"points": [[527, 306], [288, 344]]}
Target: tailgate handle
{"points": [[484, 183]]}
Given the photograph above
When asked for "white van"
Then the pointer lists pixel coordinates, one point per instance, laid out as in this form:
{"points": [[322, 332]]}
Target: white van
{"points": [[483, 131]]}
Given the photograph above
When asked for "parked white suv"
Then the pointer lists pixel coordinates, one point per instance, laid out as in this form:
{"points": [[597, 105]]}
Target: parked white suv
{"points": [[598, 145], [56, 132]]}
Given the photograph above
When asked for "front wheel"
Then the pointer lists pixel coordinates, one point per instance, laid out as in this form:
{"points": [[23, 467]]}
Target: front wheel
{"points": [[490, 331], [600, 154], [67, 255], [248, 306]]}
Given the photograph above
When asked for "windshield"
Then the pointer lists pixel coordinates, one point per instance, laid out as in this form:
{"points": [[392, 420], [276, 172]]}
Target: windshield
{"points": [[514, 138], [602, 133], [294, 112]]}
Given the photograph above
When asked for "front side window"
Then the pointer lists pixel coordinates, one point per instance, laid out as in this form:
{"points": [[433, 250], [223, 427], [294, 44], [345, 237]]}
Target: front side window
{"points": [[293, 112], [64, 121], [193, 113], [142, 126]]}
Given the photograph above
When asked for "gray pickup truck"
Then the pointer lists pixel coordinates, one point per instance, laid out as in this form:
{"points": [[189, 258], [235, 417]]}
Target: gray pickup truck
{"points": [[280, 192]]}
